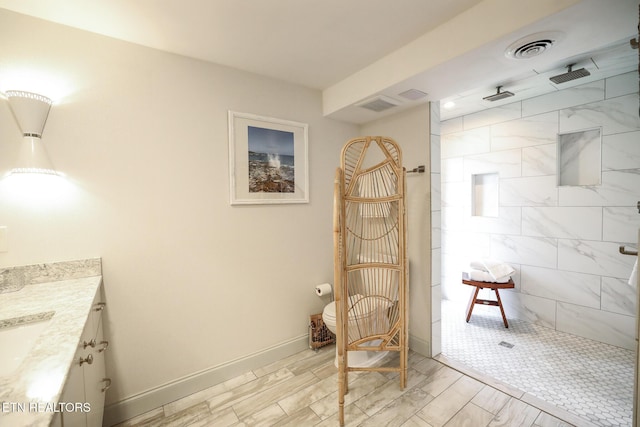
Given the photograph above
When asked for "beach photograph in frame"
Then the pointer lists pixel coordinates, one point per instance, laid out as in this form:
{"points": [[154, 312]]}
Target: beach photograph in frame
{"points": [[268, 160]]}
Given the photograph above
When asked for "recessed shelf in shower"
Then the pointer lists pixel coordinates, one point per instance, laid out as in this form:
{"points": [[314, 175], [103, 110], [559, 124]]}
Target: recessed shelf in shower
{"points": [[579, 157], [484, 193]]}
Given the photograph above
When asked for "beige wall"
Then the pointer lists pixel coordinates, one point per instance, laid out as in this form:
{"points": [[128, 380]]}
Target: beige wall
{"points": [[410, 129], [191, 282]]}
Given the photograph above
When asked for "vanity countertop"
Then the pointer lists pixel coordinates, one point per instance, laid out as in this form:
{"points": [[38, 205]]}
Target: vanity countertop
{"points": [[29, 395]]}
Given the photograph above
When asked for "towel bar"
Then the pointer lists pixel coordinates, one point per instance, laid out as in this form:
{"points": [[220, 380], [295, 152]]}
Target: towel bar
{"points": [[624, 251]]}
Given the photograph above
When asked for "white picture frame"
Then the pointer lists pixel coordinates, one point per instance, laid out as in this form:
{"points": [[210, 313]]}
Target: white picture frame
{"points": [[268, 160]]}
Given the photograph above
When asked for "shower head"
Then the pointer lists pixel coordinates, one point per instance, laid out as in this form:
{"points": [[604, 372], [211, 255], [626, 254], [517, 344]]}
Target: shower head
{"points": [[498, 95], [570, 75]]}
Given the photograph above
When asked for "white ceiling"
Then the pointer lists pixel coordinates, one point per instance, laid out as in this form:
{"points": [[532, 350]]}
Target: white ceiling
{"points": [[319, 43]]}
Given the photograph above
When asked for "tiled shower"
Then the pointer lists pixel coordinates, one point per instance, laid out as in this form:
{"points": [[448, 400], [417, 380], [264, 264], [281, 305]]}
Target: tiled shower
{"points": [[504, 197], [499, 193]]}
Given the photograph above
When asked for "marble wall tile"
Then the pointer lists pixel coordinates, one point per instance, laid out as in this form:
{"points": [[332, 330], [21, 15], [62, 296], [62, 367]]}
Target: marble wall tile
{"points": [[436, 229], [539, 160], [529, 191], [579, 157], [434, 154], [577, 95], [575, 229], [499, 114], [615, 115], [451, 126], [508, 163], [453, 169], [623, 84], [458, 144], [436, 298], [527, 132], [434, 117], [456, 194], [564, 222], [618, 296], [436, 338], [452, 290], [611, 328], [466, 246], [531, 308], [591, 257], [619, 188], [436, 196], [454, 219], [536, 251], [621, 151], [508, 221], [436, 270], [567, 286], [620, 224]]}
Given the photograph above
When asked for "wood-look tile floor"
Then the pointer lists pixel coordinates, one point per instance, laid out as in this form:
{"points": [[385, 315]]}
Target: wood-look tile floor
{"points": [[301, 390]]}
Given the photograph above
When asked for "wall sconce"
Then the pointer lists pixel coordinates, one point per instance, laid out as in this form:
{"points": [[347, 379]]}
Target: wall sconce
{"points": [[30, 111]]}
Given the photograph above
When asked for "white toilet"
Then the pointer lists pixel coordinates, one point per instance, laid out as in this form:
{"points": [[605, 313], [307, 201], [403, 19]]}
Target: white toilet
{"points": [[356, 359]]}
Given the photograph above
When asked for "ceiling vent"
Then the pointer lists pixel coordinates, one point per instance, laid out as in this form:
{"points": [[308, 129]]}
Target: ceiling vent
{"points": [[379, 103], [413, 94], [533, 45]]}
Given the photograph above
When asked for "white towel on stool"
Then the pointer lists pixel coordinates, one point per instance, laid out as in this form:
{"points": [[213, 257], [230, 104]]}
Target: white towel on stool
{"points": [[633, 279], [498, 270], [484, 276]]}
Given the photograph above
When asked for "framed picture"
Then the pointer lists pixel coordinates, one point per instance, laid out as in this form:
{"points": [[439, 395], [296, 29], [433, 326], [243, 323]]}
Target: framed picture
{"points": [[268, 160]]}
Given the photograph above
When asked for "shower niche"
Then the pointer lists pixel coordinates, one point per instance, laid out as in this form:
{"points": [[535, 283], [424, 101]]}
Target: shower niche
{"points": [[484, 194], [579, 158]]}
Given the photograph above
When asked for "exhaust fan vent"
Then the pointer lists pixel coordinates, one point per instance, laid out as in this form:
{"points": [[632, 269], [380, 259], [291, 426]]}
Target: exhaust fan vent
{"points": [[533, 45], [413, 94], [379, 104]]}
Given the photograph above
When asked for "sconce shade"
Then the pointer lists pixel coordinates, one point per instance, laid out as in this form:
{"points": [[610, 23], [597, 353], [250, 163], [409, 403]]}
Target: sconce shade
{"points": [[33, 158], [30, 111]]}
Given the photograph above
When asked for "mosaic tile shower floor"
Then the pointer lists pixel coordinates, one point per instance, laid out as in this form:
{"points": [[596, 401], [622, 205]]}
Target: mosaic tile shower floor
{"points": [[587, 378]]}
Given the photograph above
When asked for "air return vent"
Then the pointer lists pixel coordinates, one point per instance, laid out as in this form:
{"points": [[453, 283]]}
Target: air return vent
{"points": [[379, 103], [533, 45], [413, 94]]}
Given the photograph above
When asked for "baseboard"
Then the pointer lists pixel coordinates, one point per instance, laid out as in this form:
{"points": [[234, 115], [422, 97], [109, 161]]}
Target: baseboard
{"points": [[420, 346], [144, 402]]}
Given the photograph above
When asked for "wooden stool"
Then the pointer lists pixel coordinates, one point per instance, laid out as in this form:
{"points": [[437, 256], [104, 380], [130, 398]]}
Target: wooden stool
{"points": [[489, 285]]}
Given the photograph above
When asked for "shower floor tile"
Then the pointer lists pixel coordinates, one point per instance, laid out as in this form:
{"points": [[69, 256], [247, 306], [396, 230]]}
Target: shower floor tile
{"points": [[587, 378]]}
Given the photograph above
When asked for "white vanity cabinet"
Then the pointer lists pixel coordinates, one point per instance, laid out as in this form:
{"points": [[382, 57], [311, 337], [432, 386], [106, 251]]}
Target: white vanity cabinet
{"points": [[87, 383]]}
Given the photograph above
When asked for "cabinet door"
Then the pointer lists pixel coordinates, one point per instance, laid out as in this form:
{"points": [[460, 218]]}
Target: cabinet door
{"points": [[95, 382], [74, 392]]}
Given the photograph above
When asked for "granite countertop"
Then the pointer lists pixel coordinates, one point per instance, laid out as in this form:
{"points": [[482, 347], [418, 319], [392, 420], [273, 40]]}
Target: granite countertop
{"points": [[28, 395]]}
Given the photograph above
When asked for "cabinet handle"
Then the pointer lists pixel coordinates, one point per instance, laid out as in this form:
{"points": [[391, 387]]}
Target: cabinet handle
{"points": [[105, 345], [91, 344], [89, 360], [100, 306], [106, 387]]}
